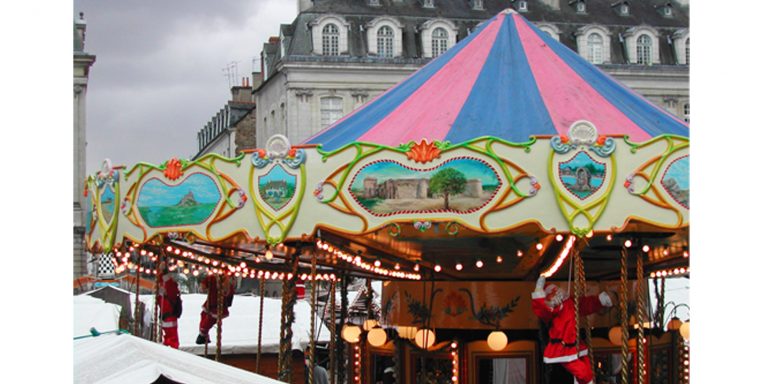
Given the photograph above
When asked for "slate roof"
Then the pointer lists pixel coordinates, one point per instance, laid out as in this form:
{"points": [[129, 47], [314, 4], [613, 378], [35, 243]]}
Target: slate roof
{"points": [[298, 40]]}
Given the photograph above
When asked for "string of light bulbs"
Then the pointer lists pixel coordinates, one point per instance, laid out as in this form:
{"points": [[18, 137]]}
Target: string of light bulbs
{"points": [[374, 267]]}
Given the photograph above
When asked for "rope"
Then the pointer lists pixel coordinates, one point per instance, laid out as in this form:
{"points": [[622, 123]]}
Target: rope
{"points": [[219, 310], [641, 319], [577, 293], [332, 347], [313, 314], [261, 322], [624, 320]]}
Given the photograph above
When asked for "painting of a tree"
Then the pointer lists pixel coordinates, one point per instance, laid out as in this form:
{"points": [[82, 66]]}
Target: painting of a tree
{"points": [[447, 182]]}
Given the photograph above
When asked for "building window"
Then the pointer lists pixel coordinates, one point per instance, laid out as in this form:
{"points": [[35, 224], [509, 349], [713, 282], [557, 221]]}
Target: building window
{"points": [[330, 110], [429, 3], [688, 52], [595, 48], [385, 42], [330, 40], [687, 112], [374, 3], [439, 41], [581, 7], [624, 9], [522, 6], [644, 45], [477, 5]]}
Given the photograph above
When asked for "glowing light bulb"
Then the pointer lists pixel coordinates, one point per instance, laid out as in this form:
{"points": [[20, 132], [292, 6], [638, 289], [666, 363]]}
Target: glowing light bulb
{"points": [[416, 267], [397, 266], [590, 234], [646, 248], [479, 263], [539, 246], [609, 237], [559, 237], [438, 268], [459, 267], [628, 244], [377, 263], [268, 255]]}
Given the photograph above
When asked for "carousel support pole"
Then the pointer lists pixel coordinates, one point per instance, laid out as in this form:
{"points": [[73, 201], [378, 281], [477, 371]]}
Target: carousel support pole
{"points": [[342, 347], [289, 301], [313, 314], [261, 322], [136, 311], [581, 288], [641, 319], [219, 311], [155, 334], [624, 319], [332, 345]]}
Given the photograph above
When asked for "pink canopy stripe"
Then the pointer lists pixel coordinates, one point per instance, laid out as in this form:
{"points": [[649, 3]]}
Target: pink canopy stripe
{"points": [[431, 110], [567, 96]]}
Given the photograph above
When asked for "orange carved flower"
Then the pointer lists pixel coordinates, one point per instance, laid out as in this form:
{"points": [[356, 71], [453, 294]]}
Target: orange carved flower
{"points": [[292, 152], [173, 169], [262, 153], [601, 140], [423, 152]]}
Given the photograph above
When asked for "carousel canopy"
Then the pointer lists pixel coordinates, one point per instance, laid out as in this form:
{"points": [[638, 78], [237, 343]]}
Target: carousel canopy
{"points": [[509, 80]]}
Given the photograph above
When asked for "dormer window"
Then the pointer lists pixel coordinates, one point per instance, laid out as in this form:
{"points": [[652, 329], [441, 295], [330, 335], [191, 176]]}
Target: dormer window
{"points": [[581, 7], [429, 4], [522, 6], [477, 5], [665, 9], [374, 3], [624, 9]]}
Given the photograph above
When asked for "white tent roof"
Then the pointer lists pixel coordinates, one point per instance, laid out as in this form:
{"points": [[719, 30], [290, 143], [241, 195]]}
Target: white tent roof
{"points": [[93, 312], [125, 359], [240, 330]]}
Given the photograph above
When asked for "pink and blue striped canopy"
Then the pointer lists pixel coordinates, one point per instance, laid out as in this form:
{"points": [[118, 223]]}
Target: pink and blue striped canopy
{"points": [[508, 79]]}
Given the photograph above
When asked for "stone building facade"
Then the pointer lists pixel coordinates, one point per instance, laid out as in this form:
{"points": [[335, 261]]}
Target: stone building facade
{"points": [[82, 64], [338, 54], [233, 128]]}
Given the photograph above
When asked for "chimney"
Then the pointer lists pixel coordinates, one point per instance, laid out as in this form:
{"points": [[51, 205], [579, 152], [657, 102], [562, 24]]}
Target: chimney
{"points": [[303, 5], [242, 93], [80, 34], [257, 79]]}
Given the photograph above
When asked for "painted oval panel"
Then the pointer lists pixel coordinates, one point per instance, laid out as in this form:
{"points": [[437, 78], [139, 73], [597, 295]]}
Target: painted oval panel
{"points": [[462, 185], [190, 202], [676, 181], [107, 203]]}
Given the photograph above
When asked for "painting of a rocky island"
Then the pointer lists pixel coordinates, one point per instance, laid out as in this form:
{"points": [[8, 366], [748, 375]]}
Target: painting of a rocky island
{"points": [[676, 182], [189, 203], [582, 175], [461, 186]]}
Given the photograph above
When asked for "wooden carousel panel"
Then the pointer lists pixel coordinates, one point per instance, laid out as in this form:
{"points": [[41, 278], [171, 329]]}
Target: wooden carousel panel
{"points": [[517, 363], [478, 305]]}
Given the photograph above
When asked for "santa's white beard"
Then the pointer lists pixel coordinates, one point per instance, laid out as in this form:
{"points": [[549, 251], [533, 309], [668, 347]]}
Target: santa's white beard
{"points": [[556, 299]]}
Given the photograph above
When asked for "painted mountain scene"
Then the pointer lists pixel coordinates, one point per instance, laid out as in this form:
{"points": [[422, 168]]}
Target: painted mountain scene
{"points": [[461, 186], [676, 181], [188, 203]]}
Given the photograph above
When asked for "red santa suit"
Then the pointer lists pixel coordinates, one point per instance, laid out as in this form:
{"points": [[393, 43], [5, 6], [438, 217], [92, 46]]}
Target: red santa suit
{"points": [[561, 319], [170, 310], [208, 317]]}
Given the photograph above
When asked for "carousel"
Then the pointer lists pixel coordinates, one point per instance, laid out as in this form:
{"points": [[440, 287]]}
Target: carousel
{"points": [[504, 171]]}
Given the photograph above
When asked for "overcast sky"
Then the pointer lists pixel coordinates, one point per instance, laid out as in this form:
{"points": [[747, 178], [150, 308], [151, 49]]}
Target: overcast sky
{"points": [[158, 76]]}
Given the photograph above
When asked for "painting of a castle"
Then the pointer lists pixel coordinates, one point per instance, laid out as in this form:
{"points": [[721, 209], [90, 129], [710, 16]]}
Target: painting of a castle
{"points": [[460, 185]]}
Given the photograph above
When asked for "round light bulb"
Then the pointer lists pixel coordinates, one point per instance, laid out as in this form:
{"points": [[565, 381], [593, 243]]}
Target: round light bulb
{"points": [[479, 264], [646, 248], [424, 338], [559, 237], [614, 335], [438, 268], [539, 246], [268, 255], [377, 337], [628, 244], [350, 333], [459, 267], [497, 340]]}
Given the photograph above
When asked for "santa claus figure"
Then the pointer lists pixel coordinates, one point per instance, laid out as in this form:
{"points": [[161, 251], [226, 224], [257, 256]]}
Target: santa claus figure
{"points": [[210, 313], [557, 310], [169, 299]]}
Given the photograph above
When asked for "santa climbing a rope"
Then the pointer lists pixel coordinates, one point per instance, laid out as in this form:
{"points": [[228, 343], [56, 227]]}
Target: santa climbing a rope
{"points": [[557, 310]]}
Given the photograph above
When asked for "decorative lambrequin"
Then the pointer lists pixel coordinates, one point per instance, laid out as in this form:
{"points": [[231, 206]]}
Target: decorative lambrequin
{"points": [[487, 305], [575, 183]]}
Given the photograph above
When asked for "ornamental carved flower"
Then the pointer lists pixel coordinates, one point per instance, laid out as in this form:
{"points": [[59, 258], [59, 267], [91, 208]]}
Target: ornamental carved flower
{"points": [[262, 153], [292, 152], [601, 140], [173, 169], [564, 139], [423, 152]]}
